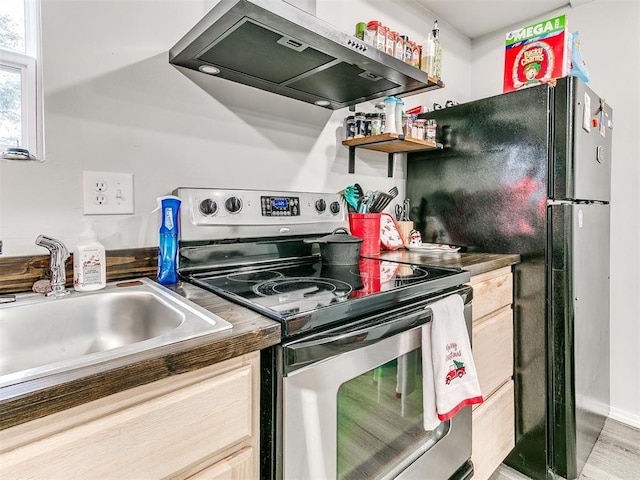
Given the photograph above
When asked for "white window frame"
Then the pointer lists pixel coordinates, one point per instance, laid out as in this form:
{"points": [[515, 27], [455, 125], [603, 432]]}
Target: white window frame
{"points": [[29, 65]]}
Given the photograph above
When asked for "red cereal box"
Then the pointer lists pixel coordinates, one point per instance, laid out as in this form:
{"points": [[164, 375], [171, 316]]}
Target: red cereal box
{"points": [[538, 53]]}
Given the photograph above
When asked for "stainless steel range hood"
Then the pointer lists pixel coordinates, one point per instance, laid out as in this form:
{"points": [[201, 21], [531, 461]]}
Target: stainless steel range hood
{"points": [[275, 46]]}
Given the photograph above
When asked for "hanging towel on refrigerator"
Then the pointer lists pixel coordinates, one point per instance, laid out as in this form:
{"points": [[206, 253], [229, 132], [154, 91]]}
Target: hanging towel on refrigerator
{"points": [[450, 380]]}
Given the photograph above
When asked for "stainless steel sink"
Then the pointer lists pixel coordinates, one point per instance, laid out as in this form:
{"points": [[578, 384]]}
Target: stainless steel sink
{"points": [[42, 335]]}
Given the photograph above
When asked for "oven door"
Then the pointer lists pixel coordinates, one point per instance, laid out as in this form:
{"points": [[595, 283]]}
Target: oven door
{"points": [[357, 412]]}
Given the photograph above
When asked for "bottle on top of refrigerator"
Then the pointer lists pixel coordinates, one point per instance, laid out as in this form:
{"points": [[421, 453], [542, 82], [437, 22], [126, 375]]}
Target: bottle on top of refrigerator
{"points": [[89, 261], [437, 67]]}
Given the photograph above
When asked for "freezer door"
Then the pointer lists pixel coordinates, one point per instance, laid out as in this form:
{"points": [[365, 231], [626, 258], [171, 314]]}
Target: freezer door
{"points": [[579, 333], [583, 125], [487, 188]]}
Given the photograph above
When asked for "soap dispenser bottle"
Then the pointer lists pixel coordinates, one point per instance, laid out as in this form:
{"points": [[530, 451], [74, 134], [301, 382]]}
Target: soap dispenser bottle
{"points": [[89, 261]]}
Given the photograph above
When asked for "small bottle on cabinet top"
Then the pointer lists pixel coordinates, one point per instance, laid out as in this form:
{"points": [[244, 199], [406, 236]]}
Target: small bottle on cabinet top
{"points": [[89, 261]]}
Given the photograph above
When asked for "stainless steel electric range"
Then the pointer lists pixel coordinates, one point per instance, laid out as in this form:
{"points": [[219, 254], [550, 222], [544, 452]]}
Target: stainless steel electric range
{"points": [[341, 395]]}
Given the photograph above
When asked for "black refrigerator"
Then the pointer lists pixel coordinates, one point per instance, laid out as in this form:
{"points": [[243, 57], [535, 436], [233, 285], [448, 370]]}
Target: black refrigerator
{"points": [[529, 172]]}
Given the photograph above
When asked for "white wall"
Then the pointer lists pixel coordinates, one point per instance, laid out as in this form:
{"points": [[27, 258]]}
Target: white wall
{"points": [[113, 103], [610, 44]]}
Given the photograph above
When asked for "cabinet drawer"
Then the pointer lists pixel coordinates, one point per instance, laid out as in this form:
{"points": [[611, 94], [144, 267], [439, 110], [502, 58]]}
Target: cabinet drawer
{"points": [[493, 431], [159, 431], [491, 291], [493, 350]]}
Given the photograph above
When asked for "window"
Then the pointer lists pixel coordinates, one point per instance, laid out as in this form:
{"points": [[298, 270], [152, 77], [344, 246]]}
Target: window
{"points": [[20, 95]]}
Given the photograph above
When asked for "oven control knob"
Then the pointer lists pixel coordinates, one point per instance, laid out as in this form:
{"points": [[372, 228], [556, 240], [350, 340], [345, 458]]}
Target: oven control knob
{"points": [[233, 204], [321, 205], [208, 207], [334, 207]]}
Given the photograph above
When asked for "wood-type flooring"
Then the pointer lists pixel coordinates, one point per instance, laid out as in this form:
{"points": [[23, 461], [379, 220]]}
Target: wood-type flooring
{"points": [[615, 456]]}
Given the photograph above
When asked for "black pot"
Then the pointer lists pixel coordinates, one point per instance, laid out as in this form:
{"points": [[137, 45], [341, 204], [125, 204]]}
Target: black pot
{"points": [[339, 247]]}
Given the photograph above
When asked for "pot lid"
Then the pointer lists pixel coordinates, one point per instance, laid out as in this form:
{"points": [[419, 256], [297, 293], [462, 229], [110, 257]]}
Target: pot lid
{"points": [[339, 235]]}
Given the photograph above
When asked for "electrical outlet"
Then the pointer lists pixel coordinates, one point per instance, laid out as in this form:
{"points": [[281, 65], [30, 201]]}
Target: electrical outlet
{"points": [[107, 193]]}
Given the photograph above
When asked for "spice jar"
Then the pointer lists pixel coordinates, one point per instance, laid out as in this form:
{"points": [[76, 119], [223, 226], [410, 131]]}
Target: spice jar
{"points": [[430, 131], [350, 127], [361, 29], [415, 56], [418, 131], [376, 34], [360, 128], [398, 50], [376, 124], [367, 124], [408, 51], [407, 127], [373, 33], [390, 42]]}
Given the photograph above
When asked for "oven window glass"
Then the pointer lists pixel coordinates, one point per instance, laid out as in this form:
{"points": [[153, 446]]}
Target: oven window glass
{"points": [[380, 421]]}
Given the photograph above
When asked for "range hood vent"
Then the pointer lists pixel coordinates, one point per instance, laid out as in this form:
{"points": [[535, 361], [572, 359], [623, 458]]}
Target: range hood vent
{"points": [[275, 46]]}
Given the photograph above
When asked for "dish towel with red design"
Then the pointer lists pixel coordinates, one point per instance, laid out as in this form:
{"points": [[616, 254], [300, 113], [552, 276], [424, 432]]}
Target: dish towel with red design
{"points": [[449, 377]]}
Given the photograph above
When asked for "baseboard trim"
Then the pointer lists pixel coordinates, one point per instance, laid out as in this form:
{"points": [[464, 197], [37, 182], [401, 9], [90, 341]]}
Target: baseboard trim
{"points": [[625, 417]]}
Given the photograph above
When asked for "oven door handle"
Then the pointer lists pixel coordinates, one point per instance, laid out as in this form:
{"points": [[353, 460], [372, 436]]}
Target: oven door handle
{"points": [[330, 344]]}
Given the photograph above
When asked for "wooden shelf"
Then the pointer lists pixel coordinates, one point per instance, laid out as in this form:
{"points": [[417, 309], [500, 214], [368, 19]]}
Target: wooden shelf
{"points": [[390, 143]]}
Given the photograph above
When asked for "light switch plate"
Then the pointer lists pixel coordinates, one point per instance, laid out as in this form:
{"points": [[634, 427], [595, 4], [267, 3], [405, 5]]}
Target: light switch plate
{"points": [[107, 193]]}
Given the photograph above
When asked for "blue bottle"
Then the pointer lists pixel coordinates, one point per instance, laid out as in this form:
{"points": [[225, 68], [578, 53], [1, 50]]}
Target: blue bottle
{"points": [[168, 255]]}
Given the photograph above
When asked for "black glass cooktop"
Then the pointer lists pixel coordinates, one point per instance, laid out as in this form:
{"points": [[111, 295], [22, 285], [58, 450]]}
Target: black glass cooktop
{"points": [[306, 294]]}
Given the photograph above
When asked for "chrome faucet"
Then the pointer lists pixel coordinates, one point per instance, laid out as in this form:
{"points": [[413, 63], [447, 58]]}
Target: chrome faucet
{"points": [[59, 255]]}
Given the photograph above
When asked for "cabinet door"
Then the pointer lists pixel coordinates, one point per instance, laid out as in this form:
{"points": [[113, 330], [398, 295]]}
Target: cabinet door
{"points": [[184, 424], [492, 434]]}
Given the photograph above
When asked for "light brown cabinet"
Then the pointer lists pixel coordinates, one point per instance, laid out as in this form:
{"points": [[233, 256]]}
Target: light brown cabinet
{"points": [[200, 424], [494, 420]]}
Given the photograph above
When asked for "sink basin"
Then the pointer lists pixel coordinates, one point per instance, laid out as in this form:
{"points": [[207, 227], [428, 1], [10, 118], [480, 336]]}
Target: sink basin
{"points": [[42, 335]]}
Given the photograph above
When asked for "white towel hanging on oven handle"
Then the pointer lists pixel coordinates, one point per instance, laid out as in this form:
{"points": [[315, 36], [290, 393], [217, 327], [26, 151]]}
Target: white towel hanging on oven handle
{"points": [[450, 380]]}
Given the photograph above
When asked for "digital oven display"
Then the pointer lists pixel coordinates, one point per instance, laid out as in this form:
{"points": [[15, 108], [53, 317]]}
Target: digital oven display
{"points": [[280, 206]]}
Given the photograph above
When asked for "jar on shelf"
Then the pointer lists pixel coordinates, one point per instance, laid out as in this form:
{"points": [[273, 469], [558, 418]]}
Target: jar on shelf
{"points": [[367, 124], [360, 128], [375, 35], [415, 56], [361, 29], [418, 129], [430, 131], [408, 51], [376, 123], [390, 42], [407, 127], [350, 127], [390, 115], [398, 48]]}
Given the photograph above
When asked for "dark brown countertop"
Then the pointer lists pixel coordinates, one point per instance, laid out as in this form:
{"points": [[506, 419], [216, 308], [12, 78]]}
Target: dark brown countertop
{"points": [[474, 263], [251, 331]]}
